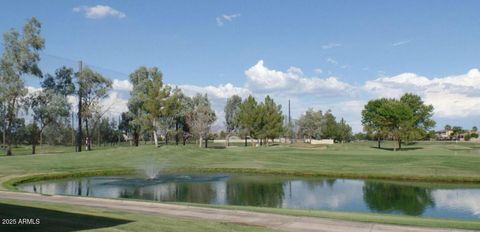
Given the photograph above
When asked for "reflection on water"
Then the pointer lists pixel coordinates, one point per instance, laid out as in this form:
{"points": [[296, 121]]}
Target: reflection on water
{"points": [[385, 198], [272, 191]]}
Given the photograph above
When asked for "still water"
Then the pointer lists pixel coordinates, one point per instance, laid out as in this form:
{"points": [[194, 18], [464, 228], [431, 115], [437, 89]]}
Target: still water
{"points": [[445, 201]]}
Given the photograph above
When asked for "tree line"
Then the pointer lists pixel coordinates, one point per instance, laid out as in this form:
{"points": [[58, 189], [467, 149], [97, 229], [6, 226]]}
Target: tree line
{"points": [[156, 111]]}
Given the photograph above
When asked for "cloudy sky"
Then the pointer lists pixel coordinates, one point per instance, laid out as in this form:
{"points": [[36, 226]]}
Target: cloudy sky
{"points": [[320, 54]]}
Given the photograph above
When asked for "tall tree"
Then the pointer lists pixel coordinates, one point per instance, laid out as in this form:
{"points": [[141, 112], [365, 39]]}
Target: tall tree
{"points": [[171, 113], [422, 120], [139, 79], [372, 119], [231, 110], [311, 124], [202, 117], [93, 87], [48, 108], [344, 131], [61, 83], [389, 116], [247, 117], [157, 95], [330, 129], [20, 57], [273, 119]]}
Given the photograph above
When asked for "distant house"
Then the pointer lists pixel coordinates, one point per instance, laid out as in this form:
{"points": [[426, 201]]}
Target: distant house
{"points": [[444, 134], [449, 135]]}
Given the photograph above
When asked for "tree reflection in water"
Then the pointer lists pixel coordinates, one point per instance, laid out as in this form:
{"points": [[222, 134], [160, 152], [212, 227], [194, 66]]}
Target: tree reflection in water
{"points": [[387, 198], [255, 192]]}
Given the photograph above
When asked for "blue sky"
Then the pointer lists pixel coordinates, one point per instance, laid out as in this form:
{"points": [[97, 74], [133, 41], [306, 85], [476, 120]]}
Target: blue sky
{"points": [[320, 54]]}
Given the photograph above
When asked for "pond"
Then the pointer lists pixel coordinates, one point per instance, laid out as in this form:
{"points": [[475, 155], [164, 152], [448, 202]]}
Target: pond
{"points": [[415, 199]]}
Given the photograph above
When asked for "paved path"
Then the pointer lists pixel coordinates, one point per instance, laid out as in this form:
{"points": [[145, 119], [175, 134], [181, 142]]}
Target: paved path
{"points": [[275, 221]]}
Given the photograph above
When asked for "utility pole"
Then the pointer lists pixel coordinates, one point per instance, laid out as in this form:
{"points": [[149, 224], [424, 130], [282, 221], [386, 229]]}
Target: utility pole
{"points": [[73, 130], [4, 123], [79, 117], [290, 123]]}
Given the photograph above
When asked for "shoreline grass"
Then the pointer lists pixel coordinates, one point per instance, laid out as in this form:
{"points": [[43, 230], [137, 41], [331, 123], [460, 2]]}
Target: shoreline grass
{"points": [[354, 216]]}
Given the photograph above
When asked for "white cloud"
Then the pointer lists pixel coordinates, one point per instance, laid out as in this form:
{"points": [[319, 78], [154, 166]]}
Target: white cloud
{"points": [[221, 20], [99, 11], [219, 92], [399, 43], [451, 96], [331, 61], [331, 45], [124, 85], [458, 199], [318, 71], [264, 80]]}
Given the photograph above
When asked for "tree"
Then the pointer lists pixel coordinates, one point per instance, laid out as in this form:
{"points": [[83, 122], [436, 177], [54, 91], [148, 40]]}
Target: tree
{"points": [[421, 121], [20, 57], [344, 131], [201, 118], [182, 116], [273, 119], [61, 83], [48, 108], [457, 130], [447, 127], [330, 129], [474, 129], [156, 96], [140, 79], [93, 87], [388, 117], [232, 109], [311, 124], [172, 113], [247, 117], [372, 120]]}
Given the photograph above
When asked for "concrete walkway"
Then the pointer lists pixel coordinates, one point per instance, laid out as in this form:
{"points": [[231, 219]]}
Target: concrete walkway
{"points": [[274, 221]]}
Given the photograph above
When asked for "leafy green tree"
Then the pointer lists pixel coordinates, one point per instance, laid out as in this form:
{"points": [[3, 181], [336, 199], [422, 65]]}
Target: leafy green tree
{"points": [[172, 112], [474, 129], [330, 129], [182, 116], [372, 120], [447, 127], [136, 114], [422, 117], [201, 118], [156, 96], [232, 109], [60, 83], [344, 131], [247, 117], [273, 119], [311, 124], [457, 130], [388, 117], [20, 57], [48, 108], [93, 87]]}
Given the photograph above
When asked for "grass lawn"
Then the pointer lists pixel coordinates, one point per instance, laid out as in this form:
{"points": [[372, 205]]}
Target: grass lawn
{"points": [[425, 161], [60, 217]]}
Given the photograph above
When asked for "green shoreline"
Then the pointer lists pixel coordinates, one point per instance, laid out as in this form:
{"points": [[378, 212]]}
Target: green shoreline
{"points": [[11, 183]]}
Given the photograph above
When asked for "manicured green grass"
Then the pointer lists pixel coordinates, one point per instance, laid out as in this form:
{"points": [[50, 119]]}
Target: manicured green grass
{"points": [[61, 217], [425, 161], [364, 217]]}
